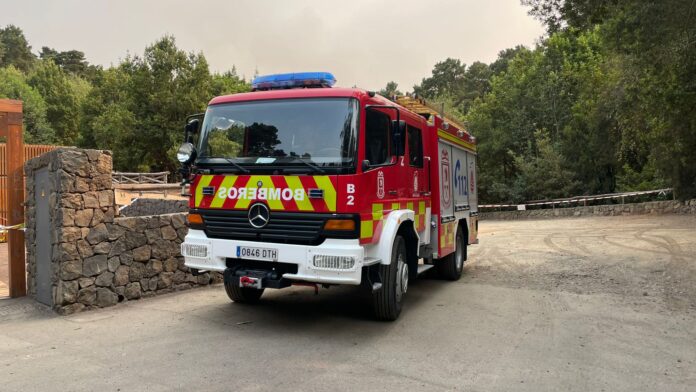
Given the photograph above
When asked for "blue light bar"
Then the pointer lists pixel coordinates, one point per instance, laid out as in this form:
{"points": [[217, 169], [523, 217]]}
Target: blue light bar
{"points": [[293, 80]]}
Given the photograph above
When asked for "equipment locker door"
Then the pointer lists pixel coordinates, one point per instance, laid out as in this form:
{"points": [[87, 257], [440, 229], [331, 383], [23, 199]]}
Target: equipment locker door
{"points": [[446, 220]]}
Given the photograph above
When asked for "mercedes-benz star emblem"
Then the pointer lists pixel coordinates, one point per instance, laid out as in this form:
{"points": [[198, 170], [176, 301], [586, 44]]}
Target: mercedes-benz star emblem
{"points": [[259, 215]]}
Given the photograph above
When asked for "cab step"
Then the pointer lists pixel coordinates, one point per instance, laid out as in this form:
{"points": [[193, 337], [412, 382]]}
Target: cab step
{"points": [[424, 267]]}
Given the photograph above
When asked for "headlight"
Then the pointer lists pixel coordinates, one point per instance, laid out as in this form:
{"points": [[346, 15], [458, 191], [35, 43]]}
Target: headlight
{"points": [[186, 153]]}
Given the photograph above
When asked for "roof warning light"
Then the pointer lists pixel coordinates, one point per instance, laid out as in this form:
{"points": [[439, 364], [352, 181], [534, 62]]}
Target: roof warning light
{"points": [[293, 80]]}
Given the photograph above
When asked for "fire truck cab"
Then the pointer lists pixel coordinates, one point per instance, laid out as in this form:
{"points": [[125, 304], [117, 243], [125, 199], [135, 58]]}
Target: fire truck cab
{"points": [[300, 182]]}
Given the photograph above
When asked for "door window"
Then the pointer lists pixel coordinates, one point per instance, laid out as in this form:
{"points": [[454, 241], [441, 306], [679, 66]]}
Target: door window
{"points": [[377, 145], [415, 146]]}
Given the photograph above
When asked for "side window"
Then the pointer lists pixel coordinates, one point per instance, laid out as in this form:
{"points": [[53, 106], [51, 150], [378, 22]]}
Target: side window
{"points": [[415, 146], [377, 146]]}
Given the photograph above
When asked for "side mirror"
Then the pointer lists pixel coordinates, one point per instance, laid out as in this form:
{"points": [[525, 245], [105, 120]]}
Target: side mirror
{"points": [[365, 165], [399, 136], [192, 126], [186, 153]]}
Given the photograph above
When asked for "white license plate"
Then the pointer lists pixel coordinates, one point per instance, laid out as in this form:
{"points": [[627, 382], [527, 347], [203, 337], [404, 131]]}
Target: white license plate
{"points": [[249, 252]]}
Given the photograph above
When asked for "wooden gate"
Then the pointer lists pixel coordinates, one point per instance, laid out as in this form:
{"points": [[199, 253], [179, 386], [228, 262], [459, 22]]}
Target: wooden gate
{"points": [[30, 151]]}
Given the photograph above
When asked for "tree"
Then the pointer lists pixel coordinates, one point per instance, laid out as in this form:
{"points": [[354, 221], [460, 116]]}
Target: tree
{"points": [[390, 90], [13, 85], [64, 95], [17, 51]]}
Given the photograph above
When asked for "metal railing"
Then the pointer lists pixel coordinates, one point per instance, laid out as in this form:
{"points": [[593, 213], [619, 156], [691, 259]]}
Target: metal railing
{"points": [[577, 200], [140, 178]]}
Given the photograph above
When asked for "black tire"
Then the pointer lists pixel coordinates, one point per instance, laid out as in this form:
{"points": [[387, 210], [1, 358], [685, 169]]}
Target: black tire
{"points": [[245, 295], [387, 300], [451, 266]]}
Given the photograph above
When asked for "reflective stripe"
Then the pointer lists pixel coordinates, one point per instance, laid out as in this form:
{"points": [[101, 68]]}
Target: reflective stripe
{"points": [[295, 183], [203, 182], [324, 182], [227, 182]]}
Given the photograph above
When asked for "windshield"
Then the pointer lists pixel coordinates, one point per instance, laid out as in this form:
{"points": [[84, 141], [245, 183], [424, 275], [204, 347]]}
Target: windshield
{"points": [[317, 132]]}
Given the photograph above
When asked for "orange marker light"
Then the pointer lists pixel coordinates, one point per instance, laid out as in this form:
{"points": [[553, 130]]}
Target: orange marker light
{"points": [[339, 224], [195, 219]]}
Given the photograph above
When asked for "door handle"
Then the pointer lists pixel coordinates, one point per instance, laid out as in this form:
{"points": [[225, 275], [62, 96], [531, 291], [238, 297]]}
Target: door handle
{"points": [[393, 193]]}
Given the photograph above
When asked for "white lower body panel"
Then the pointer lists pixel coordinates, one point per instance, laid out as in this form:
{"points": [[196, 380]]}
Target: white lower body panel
{"points": [[217, 251]]}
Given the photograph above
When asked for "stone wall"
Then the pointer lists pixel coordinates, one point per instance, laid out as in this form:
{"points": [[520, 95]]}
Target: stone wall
{"points": [[142, 207], [98, 259], [653, 207]]}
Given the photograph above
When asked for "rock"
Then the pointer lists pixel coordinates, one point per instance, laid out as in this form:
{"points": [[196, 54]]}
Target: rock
{"points": [[179, 221], [203, 279], [171, 264], [133, 291], [81, 185], [137, 271], [126, 258], [104, 164], [68, 234], [100, 182], [98, 234], [105, 279], [190, 278], [144, 284], [182, 233], [83, 218], [102, 247], [85, 282], [90, 200], [94, 265], [153, 222], [153, 284], [98, 218], [179, 277], [142, 253], [113, 263], [153, 235], [153, 267], [67, 292], [87, 296], [168, 233], [72, 200], [182, 286], [115, 231], [85, 250], [122, 275], [65, 252], [71, 269], [65, 217], [106, 198], [134, 239], [165, 280], [118, 248], [106, 297]]}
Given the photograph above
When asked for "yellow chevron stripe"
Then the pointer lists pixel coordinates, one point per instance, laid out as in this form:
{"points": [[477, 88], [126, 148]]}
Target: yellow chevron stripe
{"points": [[295, 183], [203, 182], [323, 182], [227, 182], [265, 183]]}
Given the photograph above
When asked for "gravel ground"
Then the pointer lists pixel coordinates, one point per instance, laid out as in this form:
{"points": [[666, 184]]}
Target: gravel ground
{"points": [[591, 304]]}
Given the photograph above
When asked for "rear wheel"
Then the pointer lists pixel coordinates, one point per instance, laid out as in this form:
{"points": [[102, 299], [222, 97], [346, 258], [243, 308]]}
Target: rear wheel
{"points": [[238, 294], [451, 266], [387, 300]]}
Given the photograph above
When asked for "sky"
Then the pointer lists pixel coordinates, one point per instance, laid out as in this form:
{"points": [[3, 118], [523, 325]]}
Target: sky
{"points": [[363, 43]]}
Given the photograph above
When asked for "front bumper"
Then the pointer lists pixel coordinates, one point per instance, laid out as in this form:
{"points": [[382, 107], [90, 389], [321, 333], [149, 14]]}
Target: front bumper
{"points": [[217, 251]]}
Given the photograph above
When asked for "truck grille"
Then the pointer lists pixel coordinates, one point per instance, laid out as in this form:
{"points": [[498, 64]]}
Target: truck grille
{"points": [[283, 227]]}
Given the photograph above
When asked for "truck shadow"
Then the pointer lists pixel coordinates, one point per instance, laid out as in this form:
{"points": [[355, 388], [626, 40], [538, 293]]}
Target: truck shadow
{"points": [[298, 309]]}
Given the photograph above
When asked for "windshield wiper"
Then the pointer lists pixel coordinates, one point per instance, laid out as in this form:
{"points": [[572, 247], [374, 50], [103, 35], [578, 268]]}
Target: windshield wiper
{"points": [[309, 163], [233, 163]]}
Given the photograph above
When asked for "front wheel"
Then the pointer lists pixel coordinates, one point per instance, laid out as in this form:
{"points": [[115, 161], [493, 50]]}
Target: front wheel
{"points": [[387, 300], [451, 266]]}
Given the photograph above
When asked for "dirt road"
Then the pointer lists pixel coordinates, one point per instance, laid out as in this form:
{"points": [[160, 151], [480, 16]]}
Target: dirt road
{"points": [[572, 304]]}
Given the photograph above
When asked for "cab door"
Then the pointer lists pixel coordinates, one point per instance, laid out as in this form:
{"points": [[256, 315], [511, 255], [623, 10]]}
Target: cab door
{"points": [[419, 176]]}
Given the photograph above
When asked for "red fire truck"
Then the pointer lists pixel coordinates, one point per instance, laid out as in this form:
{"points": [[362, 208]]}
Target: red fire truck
{"points": [[300, 182]]}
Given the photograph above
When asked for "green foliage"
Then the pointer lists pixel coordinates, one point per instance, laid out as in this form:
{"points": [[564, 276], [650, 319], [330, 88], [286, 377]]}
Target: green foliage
{"points": [[64, 96], [13, 85], [137, 109], [390, 90], [17, 51]]}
